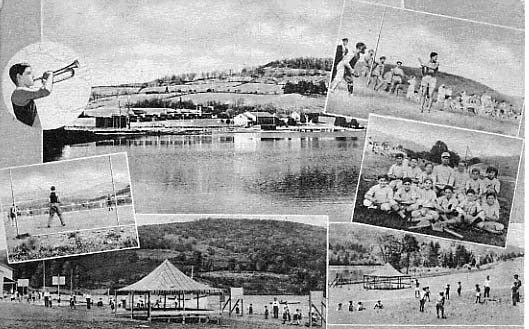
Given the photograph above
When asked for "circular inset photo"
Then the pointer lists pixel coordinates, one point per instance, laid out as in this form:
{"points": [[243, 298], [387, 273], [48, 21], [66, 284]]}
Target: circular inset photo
{"points": [[46, 84]]}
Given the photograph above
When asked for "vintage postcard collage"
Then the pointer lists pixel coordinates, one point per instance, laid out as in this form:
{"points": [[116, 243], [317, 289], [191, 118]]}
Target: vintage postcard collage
{"points": [[262, 164]]}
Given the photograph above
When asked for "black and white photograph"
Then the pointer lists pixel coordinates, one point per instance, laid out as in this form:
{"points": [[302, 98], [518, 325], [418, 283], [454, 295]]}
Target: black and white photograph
{"points": [[438, 180], [261, 164], [453, 63], [68, 208], [223, 118], [259, 271], [388, 277]]}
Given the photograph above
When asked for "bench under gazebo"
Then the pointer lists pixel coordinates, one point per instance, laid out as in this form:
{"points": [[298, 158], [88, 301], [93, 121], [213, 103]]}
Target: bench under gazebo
{"points": [[386, 277], [155, 291]]}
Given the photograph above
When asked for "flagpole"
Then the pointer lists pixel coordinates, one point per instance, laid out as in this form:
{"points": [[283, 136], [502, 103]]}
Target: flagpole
{"points": [[376, 48]]}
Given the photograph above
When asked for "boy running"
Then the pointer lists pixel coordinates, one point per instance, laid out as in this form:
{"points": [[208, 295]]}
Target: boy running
{"points": [[440, 306], [55, 207]]}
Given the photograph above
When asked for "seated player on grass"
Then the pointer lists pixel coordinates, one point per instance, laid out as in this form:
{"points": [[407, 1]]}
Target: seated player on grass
{"points": [[446, 205], [380, 196], [474, 183], [397, 172], [413, 171], [426, 204], [490, 183], [490, 215], [468, 211], [406, 197]]}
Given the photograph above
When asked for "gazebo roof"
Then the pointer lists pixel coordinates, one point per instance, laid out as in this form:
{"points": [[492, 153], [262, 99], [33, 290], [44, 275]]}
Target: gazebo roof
{"points": [[387, 271], [167, 278]]}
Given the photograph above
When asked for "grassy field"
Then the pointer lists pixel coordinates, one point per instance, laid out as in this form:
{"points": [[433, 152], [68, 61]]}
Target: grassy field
{"points": [[375, 164], [401, 307], [258, 92], [72, 243], [366, 101], [75, 220], [25, 316]]}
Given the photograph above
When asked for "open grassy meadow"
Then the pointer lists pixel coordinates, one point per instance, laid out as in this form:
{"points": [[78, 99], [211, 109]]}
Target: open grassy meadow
{"points": [[365, 101], [401, 307]]}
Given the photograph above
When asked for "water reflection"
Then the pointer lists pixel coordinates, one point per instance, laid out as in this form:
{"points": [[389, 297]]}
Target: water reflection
{"points": [[238, 173]]}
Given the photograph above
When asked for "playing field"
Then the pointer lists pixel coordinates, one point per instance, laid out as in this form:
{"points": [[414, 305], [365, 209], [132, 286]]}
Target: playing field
{"points": [[75, 220], [401, 307], [27, 316], [365, 101]]}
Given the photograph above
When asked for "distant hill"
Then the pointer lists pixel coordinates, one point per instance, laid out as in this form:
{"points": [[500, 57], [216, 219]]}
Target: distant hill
{"points": [[220, 252]]}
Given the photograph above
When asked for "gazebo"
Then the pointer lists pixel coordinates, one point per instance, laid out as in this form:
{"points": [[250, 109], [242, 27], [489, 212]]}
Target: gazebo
{"points": [[167, 280], [386, 277]]}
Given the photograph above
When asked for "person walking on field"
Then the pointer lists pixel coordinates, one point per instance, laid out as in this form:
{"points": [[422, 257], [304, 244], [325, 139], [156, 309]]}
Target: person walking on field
{"points": [[478, 294], [55, 207], [486, 284], [429, 81], [440, 306]]}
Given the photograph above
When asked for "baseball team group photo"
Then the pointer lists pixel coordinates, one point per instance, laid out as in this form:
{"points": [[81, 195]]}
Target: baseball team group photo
{"points": [[437, 180]]}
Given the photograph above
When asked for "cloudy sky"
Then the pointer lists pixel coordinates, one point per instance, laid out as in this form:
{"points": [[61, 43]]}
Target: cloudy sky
{"points": [[488, 54], [139, 40], [67, 176], [480, 143]]}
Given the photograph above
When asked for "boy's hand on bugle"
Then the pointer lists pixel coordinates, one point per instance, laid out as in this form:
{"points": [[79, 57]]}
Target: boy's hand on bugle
{"points": [[47, 75]]}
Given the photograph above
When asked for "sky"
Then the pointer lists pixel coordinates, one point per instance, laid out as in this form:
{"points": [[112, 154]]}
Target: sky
{"points": [[480, 143], [66, 176], [140, 40], [490, 55]]}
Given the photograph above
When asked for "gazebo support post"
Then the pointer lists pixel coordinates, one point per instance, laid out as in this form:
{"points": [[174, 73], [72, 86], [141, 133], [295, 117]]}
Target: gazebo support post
{"points": [[149, 306], [198, 298], [164, 300], [132, 307]]}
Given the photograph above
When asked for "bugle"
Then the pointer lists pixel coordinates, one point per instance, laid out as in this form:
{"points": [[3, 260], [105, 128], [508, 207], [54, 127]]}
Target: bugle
{"points": [[64, 73]]}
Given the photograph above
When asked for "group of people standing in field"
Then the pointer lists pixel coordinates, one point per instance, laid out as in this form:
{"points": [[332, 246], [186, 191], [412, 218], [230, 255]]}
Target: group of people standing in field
{"points": [[438, 193], [350, 64], [357, 62]]}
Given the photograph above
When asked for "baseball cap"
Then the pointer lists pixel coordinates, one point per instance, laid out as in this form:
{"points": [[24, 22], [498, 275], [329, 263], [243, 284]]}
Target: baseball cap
{"points": [[445, 155], [399, 62]]}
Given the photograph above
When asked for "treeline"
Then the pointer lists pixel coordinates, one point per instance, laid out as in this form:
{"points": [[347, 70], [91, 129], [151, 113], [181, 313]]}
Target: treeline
{"points": [[268, 249], [304, 63], [305, 88], [407, 252]]}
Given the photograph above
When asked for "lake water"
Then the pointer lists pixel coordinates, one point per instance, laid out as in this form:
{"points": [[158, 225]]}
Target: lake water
{"points": [[247, 173]]}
